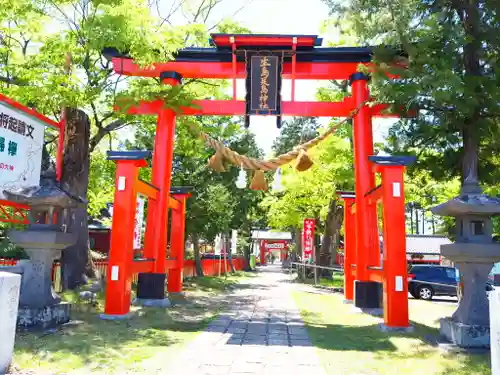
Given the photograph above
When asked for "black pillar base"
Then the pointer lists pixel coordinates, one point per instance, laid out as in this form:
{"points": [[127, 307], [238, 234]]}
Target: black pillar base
{"points": [[151, 286], [367, 294]]}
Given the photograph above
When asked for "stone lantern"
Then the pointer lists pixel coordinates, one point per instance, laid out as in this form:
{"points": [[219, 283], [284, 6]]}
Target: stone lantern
{"points": [[43, 240], [474, 254]]}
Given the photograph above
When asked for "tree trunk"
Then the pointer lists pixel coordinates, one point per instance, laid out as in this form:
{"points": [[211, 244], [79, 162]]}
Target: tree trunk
{"points": [[75, 259], [336, 224], [298, 241], [469, 14], [247, 252], [324, 251], [229, 252], [197, 258], [328, 250]]}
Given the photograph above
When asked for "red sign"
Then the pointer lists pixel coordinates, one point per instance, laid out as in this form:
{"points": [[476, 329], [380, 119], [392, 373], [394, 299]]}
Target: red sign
{"points": [[308, 238]]}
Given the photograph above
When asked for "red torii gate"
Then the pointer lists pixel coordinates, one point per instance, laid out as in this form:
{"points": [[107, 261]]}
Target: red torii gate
{"points": [[267, 246], [301, 59], [152, 266]]}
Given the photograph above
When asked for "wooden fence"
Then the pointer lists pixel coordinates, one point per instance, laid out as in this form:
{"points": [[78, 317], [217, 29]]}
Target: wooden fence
{"points": [[211, 267]]}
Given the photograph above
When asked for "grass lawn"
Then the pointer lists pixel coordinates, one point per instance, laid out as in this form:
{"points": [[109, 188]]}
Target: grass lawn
{"points": [[141, 344], [349, 343], [337, 281]]}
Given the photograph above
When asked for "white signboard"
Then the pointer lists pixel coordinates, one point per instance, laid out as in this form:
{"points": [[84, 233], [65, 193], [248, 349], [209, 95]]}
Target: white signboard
{"points": [[21, 145], [494, 297], [277, 245], [219, 244], [139, 220], [234, 241]]}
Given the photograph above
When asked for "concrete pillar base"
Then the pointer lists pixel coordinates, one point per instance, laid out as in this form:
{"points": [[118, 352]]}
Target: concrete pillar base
{"points": [[115, 317], [384, 328], [43, 317], [148, 302], [465, 335]]}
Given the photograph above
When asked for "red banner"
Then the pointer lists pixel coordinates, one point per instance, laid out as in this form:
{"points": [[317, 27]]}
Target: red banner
{"points": [[308, 239]]}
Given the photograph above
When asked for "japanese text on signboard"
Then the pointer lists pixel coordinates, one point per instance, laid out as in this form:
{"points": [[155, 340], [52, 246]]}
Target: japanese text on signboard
{"points": [[308, 238], [139, 220], [16, 126], [264, 83], [21, 145]]}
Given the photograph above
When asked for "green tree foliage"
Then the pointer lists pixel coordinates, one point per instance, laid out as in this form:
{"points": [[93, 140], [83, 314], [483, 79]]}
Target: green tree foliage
{"points": [[101, 183], [309, 193], [452, 76], [39, 37], [294, 132], [451, 52], [423, 192]]}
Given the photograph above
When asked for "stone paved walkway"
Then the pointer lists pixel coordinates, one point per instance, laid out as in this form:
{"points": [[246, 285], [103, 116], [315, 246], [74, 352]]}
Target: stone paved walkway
{"points": [[261, 334]]}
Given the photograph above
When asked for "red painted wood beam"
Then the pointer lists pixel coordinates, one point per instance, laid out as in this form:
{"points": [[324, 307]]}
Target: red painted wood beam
{"points": [[142, 266], [237, 108], [215, 108], [221, 40], [170, 263], [4, 202], [174, 204], [146, 189], [224, 70], [182, 196], [375, 195], [376, 275]]}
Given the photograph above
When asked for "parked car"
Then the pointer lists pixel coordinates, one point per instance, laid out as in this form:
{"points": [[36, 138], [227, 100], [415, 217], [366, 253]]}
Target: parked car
{"points": [[427, 281]]}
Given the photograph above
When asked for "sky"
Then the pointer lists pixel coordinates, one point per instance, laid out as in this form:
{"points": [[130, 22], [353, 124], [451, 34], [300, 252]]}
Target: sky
{"points": [[283, 17]]}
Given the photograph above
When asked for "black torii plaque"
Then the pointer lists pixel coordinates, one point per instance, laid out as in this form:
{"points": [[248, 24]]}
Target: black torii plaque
{"points": [[264, 75], [263, 85]]}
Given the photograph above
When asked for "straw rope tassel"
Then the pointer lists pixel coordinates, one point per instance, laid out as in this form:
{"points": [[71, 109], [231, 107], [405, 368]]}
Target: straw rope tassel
{"points": [[216, 162], [259, 181], [303, 162]]}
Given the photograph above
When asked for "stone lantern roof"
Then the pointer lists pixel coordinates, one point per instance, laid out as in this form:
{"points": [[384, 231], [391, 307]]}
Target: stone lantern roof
{"points": [[469, 204], [50, 194]]}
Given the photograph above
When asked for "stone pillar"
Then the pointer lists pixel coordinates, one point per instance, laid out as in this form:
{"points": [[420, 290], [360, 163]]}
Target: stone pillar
{"points": [[37, 290], [9, 300], [495, 331], [474, 254], [473, 307]]}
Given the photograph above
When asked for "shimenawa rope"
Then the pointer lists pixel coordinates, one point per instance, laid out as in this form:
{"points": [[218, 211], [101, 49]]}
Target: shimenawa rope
{"points": [[270, 164]]}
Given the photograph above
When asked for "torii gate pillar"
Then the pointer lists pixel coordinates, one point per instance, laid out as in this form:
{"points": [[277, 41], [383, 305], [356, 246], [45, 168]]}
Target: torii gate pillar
{"points": [[155, 240], [366, 227]]}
